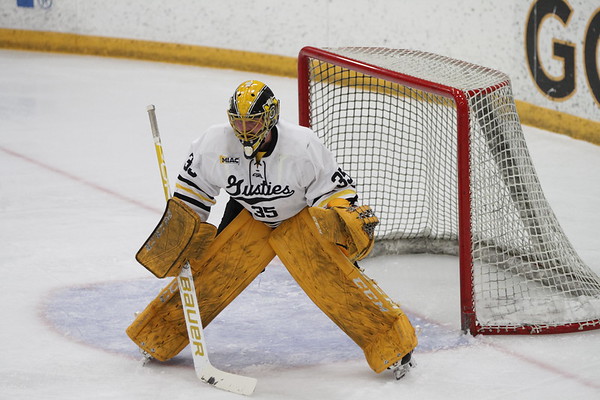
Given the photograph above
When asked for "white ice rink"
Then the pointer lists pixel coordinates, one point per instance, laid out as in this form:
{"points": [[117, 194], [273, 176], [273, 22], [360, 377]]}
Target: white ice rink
{"points": [[80, 192]]}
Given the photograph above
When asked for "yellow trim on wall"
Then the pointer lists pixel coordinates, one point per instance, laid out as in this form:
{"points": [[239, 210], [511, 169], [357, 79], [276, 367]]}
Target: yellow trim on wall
{"points": [[148, 50], [554, 121], [576, 127]]}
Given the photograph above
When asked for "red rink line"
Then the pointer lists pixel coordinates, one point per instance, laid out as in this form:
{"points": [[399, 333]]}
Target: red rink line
{"points": [[78, 179], [558, 370]]}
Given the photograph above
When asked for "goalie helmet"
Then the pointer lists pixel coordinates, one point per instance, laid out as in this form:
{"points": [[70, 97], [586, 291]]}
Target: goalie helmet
{"points": [[253, 112]]}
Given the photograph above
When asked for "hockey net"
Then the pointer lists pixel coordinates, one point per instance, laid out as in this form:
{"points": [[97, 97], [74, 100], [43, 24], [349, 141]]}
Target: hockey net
{"points": [[435, 146]]}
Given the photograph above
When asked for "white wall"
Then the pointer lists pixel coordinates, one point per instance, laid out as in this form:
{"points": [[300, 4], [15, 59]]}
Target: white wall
{"points": [[487, 32]]}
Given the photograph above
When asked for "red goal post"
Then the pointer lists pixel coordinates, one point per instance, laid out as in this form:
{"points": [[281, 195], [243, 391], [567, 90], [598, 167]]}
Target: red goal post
{"points": [[436, 148]]}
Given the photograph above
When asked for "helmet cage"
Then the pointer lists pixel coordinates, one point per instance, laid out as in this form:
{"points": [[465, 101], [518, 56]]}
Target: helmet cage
{"points": [[252, 113], [249, 128]]}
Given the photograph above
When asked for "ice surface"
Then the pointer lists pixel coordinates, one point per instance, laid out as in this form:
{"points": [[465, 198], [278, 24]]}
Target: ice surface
{"points": [[80, 191]]}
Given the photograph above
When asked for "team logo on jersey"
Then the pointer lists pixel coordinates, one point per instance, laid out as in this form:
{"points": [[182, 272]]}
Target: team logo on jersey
{"points": [[252, 194], [229, 160]]}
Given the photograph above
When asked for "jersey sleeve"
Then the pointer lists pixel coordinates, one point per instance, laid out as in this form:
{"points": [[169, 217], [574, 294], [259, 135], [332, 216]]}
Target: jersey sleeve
{"points": [[330, 179], [192, 186]]}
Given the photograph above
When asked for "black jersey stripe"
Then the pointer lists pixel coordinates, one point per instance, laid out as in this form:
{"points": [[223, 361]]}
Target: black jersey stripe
{"points": [[256, 200], [192, 184], [192, 201]]}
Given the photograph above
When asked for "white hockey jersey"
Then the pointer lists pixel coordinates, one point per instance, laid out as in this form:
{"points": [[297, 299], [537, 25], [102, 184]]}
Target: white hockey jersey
{"points": [[299, 172]]}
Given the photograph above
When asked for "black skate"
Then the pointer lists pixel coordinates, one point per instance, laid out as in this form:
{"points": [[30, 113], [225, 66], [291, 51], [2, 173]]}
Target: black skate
{"points": [[401, 368]]}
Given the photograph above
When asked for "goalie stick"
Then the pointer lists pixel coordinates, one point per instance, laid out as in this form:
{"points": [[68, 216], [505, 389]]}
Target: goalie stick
{"points": [[205, 371]]}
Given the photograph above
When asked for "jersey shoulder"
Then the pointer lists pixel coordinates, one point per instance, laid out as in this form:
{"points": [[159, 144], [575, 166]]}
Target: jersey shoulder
{"points": [[296, 135]]}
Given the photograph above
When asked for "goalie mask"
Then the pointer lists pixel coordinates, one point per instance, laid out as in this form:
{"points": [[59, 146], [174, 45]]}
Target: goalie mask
{"points": [[253, 112]]}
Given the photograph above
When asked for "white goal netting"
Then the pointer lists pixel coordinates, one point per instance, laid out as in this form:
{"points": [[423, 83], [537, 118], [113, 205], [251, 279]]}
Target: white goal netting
{"points": [[435, 144]]}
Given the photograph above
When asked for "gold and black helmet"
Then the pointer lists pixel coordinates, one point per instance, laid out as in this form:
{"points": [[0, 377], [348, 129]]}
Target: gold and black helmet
{"points": [[253, 112]]}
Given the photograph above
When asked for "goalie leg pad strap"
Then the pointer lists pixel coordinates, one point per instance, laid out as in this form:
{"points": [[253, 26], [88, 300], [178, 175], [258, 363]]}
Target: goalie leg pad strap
{"points": [[179, 235], [346, 295], [231, 262]]}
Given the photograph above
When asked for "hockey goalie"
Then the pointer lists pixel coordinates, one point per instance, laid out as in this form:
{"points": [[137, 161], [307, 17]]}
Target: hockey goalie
{"points": [[288, 197]]}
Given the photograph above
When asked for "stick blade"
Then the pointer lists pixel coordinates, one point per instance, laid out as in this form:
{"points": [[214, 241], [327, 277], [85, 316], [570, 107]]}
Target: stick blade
{"points": [[230, 382]]}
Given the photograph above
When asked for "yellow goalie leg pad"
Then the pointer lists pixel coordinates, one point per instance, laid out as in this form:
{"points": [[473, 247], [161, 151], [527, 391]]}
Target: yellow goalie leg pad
{"points": [[346, 295], [236, 256]]}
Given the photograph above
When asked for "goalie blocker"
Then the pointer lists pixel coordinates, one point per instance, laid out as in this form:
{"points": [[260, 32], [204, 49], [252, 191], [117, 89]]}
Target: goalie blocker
{"points": [[179, 236], [317, 246]]}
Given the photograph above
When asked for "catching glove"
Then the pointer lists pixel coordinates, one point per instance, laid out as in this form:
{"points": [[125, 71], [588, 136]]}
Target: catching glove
{"points": [[358, 228]]}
